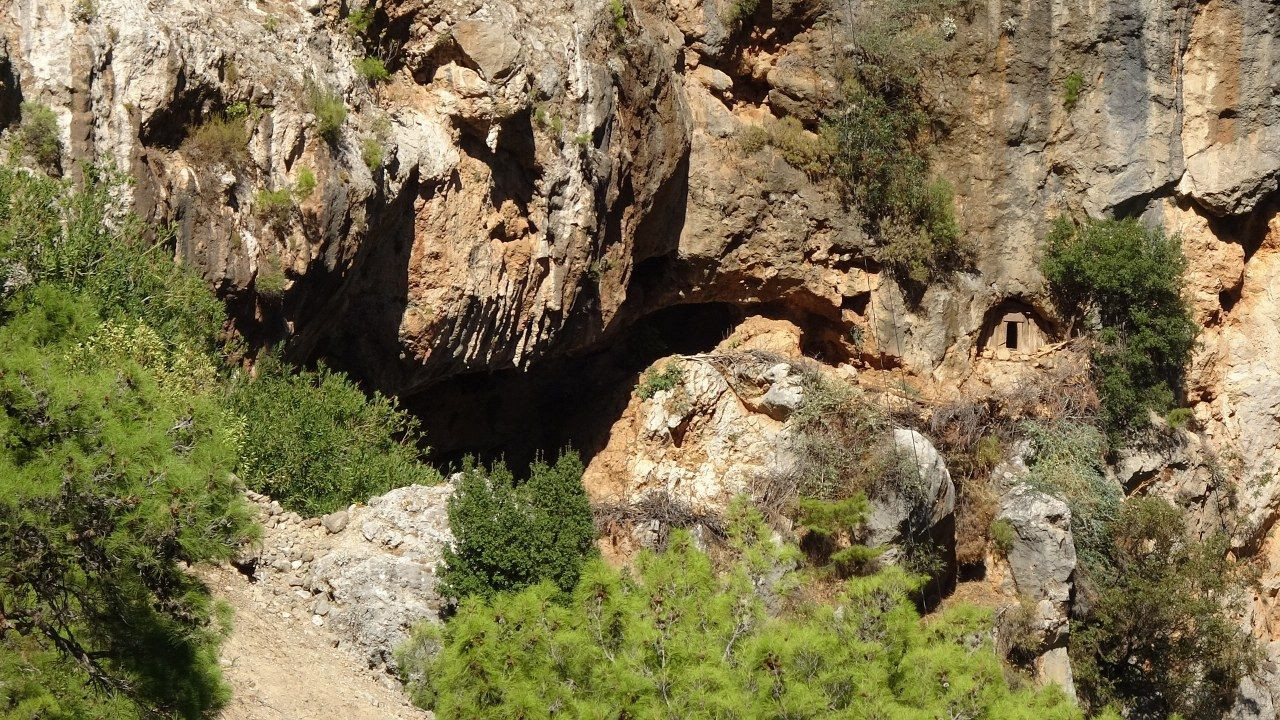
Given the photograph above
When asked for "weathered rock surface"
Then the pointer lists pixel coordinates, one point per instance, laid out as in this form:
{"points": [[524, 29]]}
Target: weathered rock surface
{"points": [[369, 580]]}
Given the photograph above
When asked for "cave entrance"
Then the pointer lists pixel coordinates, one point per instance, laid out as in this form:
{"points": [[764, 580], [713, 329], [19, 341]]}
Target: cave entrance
{"points": [[1012, 330], [520, 414]]}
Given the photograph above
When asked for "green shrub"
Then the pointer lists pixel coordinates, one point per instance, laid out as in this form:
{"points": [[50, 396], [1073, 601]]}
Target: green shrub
{"points": [[654, 381], [113, 482], [1179, 417], [360, 19], [372, 153], [373, 70], [1071, 88], [1130, 279], [511, 535], [41, 138], [619, 13], [222, 138], [741, 11], [77, 239], [330, 110], [1160, 639], [316, 443], [673, 638], [274, 206], [305, 185], [270, 280], [1001, 532]]}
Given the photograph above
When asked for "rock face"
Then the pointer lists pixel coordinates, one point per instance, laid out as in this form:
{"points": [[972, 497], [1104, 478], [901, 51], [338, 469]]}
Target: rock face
{"points": [[535, 179], [1042, 558], [367, 573]]}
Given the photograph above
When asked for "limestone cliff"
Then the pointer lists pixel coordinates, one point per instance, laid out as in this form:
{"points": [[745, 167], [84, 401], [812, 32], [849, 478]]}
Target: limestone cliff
{"points": [[538, 183]]}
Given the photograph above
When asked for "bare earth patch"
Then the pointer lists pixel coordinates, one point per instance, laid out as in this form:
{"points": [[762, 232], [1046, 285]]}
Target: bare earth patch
{"points": [[282, 669]]}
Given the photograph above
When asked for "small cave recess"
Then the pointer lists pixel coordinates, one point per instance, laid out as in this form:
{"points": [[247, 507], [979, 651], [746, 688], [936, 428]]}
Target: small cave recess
{"points": [[518, 415]]}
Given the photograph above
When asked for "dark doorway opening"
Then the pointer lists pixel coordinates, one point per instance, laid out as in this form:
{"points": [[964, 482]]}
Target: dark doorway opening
{"points": [[1011, 335]]}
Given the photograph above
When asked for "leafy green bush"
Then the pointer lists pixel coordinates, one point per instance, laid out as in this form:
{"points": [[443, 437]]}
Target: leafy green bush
{"points": [[372, 153], [78, 239], [373, 70], [619, 13], [316, 443], [40, 135], [270, 279], [112, 478], [1160, 638], [305, 185], [880, 140], [509, 536], [654, 381], [675, 639], [275, 207], [361, 18], [1130, 278], [1001, 533], [741, 11], [1071, 88], [330, 110], [1068, 462]]}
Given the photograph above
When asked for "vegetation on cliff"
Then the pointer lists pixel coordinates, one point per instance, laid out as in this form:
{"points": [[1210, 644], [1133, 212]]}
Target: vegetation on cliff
{"points": [[1125, 281]]}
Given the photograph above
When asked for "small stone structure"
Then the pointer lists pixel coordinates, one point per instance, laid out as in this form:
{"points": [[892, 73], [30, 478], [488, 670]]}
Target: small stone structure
{"points": [[1012, 331]]}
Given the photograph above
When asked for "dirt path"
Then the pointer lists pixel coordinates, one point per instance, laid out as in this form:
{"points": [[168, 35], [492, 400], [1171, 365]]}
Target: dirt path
{"points": [[283, 669]]}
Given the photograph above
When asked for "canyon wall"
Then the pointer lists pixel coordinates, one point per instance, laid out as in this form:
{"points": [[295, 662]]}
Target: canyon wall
{"points": [[535, 181]]}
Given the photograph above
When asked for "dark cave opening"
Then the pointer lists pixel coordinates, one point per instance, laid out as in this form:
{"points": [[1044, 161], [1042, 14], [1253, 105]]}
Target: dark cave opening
{"points": [[518, 415]]}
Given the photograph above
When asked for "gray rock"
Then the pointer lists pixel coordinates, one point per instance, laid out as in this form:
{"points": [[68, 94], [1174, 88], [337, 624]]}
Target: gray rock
{"points": [[335, 522], [930, 501], [493, 48], [1043, 556]]}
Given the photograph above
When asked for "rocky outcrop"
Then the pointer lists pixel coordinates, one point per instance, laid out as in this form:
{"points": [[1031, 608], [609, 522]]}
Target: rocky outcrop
{"points": [[367, 573]]}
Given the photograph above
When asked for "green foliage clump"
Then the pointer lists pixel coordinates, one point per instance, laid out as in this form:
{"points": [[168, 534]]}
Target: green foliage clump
{"points": [[674, 638], [330, 110], [741, 11], [654, 381], [274, 206], [881, 137], [360, 19], [270, 279], [618, 11], [373, 70], [305, 185], [1071, 88], [512, 535], [1130, 279], [1160, 640], [803, 150], [221, 138], [372, 153], [316, 443], [52, 232], [112, 478], [40, 136], [1001, 533]]}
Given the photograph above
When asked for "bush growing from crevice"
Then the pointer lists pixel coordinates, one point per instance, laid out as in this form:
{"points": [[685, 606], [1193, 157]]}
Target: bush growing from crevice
{"points": [[373, 70], [1071, 88], [40, 136], [674, 638], [221, 138], [316, 442], [1130, 280], [654, 381], [78, 238], [275, 207], [510, 535], [330, 110], [881, 136], [1068, 462], [1160, 639]]}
